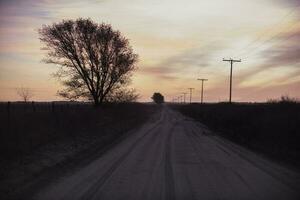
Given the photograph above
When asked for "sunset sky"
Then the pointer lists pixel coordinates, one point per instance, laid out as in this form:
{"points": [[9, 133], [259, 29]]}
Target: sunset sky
{"points": [[177, 42]]}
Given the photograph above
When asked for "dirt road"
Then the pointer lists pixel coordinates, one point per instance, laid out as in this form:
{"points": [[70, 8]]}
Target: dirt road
{"points": [[173, 157]]}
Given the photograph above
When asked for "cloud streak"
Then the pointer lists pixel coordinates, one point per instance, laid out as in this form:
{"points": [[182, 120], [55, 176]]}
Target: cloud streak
{"points": [[287, 52], [201, 57], [177, 41]]}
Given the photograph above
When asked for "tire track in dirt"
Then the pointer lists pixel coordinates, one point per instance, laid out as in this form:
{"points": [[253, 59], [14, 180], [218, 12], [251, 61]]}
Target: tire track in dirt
{"points": [[169, 174], [191, 140], [89, 194], [150, 144], [196, 136], [232, 149]]}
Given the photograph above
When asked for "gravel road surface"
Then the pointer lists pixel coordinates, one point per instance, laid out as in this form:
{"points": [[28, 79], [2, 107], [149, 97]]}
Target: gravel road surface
{"points": [[173, 157]]}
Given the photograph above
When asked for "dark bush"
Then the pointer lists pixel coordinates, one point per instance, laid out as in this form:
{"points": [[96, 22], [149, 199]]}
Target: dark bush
{"points": [[270, 128], [158, 98], [26, 126]]}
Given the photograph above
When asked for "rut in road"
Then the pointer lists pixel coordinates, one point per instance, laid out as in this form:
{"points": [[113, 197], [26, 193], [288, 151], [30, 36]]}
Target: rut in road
{"points": [[171, 158], [169, 177], [90, 193]]}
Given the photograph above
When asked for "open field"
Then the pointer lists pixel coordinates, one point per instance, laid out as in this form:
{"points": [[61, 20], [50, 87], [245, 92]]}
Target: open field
{"points": [[269, 128], [152, 153], [169, 157], [39, 138], [26, 126]]}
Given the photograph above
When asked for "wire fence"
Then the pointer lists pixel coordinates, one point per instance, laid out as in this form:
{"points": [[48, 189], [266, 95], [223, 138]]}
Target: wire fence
{"points": [[26, 126]]}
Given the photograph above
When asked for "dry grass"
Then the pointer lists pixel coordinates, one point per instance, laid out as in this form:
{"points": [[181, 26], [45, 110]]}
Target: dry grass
{"points": [[269, 128], [27, 126]]}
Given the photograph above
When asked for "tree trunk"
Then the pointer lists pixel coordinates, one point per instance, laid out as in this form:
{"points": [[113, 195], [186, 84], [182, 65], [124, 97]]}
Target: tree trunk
{"points": [[101, 99], [96, 101]]}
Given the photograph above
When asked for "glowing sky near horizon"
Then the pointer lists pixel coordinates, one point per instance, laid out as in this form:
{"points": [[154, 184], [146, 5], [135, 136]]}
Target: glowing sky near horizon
{"points": [[177, 42]]}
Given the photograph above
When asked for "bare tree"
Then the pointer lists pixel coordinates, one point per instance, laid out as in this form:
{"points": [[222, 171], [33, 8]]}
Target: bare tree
{"points": [[123, 95], [95, 59], [25, 93]]}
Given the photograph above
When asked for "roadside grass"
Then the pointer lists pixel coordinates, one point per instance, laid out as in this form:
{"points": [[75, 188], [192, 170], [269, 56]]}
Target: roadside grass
{"points": [[27, 126], [39, 140], [272, 129]]}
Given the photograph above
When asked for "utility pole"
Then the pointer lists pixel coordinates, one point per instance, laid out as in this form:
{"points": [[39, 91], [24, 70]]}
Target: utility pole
{"points": [[202, 81], [184, 93], [191, 91], [231, 63]]}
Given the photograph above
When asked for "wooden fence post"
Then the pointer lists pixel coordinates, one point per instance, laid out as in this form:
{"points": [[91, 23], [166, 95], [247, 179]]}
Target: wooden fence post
{"points": [[33, 106], [8, 117], [8, 107], [52, 106]]}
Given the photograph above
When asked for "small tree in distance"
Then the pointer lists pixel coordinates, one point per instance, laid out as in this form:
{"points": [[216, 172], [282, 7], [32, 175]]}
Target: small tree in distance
{"points": [[158, 98], [95, 60], [25, 93]]}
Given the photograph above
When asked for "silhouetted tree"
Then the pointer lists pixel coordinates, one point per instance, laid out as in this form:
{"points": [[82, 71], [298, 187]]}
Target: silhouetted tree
{"points": [[95, 60], [24, 93], [123, 95], [284, 99], [158, 98]]}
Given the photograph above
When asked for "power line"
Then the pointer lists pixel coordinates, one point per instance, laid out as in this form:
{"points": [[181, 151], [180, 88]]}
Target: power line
{"points": [[257, 39], [202, 81], [254, 50], [191, 91], [277, 41], [184, 93], [180, 99], [231, 63]]}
